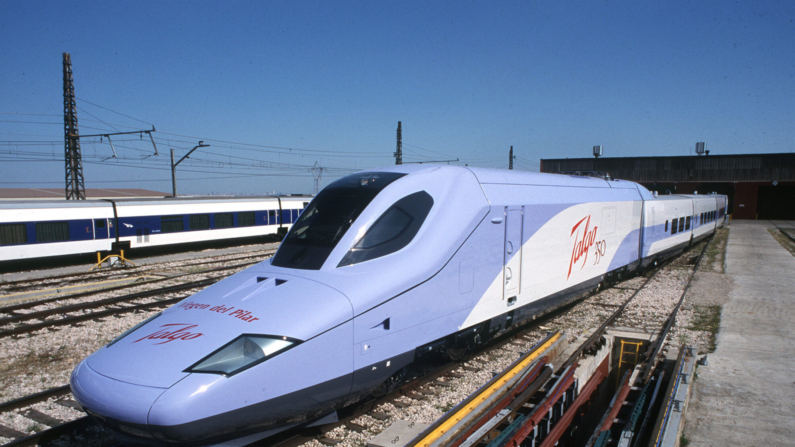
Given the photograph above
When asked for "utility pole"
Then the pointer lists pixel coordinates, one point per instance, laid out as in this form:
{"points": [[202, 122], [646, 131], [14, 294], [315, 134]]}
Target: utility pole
{"points": [[511, 158], [399, 151], [174, 167], [75, 185]]}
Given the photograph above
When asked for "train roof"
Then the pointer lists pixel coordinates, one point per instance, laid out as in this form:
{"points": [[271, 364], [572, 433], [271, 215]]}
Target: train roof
{"points": [[49, 204], [199, 200], [503, 176]]}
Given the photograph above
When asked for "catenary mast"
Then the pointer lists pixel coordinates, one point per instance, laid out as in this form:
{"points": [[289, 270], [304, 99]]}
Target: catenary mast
{"points": [[75, 186]]}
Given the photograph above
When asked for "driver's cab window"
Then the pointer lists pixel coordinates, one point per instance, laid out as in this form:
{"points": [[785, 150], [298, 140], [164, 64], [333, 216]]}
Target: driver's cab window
{"points": [[393, 230]]}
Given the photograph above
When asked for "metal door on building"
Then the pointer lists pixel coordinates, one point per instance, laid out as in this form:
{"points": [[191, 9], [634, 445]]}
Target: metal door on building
{"points": [[512, 271]]}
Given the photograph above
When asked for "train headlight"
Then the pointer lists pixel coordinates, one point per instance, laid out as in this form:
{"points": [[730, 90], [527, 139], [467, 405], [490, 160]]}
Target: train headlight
{"points": [[242, 353]]}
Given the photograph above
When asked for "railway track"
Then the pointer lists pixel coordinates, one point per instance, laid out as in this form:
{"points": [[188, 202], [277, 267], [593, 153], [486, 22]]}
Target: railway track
{"points": [[790, 230], [160, 269], [540, 408], [429, 393], [361, 424], [17, 319]]}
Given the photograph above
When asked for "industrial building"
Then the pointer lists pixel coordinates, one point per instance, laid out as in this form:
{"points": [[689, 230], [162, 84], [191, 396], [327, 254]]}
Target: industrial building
{"points": [[759, 186]]}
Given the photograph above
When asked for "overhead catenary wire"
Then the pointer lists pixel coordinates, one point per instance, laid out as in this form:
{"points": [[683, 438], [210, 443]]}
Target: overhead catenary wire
{"points": [[112, 111]]}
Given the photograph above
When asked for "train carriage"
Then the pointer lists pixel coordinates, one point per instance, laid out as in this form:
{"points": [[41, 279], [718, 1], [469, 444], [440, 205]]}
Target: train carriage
{"points": [[48, 229], [382, 268]]}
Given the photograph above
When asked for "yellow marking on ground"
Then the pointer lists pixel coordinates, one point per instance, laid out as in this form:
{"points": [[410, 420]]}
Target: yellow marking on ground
{"points": [[485, 394]]}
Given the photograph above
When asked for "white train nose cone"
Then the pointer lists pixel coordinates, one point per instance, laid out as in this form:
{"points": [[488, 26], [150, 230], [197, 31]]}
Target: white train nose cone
{"points": [[123, 406]]}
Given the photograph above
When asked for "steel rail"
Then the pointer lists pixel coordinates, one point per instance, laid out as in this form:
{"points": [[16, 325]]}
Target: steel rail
{"points": [[30, 304], [90, 316], [451, 418], [781, 230], [34, 398], [567, 366], [135, 270], [42, 314], [286, 439], [654, 349], [296, 437], [52, 433], [599, 332]]}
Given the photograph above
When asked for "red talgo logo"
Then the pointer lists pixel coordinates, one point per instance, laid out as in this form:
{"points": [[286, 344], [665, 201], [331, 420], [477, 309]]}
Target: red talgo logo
{"points": [[581, 244], [171, 332]]}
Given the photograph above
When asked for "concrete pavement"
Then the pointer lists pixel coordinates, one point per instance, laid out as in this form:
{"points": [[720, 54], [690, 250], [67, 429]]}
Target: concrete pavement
{"points": [[746, 395]]}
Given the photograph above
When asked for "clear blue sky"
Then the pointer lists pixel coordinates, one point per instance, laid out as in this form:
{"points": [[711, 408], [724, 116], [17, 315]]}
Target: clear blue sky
{"points": [[332, 79]]}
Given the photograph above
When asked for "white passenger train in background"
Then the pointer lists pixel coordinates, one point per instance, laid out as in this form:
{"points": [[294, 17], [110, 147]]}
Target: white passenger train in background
{"points": [[382, 268], [39, 229]]}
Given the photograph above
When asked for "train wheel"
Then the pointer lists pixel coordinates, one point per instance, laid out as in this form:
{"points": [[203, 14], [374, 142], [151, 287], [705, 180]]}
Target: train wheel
{"points": [[390, 384], [457, 353]]}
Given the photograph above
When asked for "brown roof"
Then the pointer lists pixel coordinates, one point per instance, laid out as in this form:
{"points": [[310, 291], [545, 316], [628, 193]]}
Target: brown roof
{"points": [[91, 193]]}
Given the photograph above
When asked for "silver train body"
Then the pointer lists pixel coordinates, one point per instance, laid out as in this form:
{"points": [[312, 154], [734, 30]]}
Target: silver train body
{"points": [[382, 268]]}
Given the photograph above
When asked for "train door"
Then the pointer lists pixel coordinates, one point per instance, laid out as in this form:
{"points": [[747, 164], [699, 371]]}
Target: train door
{"points": [[512, 267], [101, 229], [142, 235]]}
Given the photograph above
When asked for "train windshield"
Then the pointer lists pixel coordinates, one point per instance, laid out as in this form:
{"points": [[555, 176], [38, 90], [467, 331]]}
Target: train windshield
{"points": [[327, 218]]}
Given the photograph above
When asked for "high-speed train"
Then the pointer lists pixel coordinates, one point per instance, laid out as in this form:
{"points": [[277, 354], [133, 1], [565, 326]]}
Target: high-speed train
{"points": [[380, 269], [36, 229]]}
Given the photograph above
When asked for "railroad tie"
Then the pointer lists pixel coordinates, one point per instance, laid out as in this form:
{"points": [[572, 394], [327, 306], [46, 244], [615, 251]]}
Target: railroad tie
{"points": [[10, 433], [442, 384], [329, 442], [377, 415], [40, 417], [400, 404], [414, 395], [355, 427]]}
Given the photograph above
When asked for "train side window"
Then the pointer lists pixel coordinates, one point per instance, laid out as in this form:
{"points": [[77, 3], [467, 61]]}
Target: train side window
{"points": [[224, 220], [673, 226], [13, 234], [681, 224], [666, 226], [171, 224], [199, 222], [245, 219], [687, 223], [272, 217], [393, 230], [52, 231], [99, 223]]}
